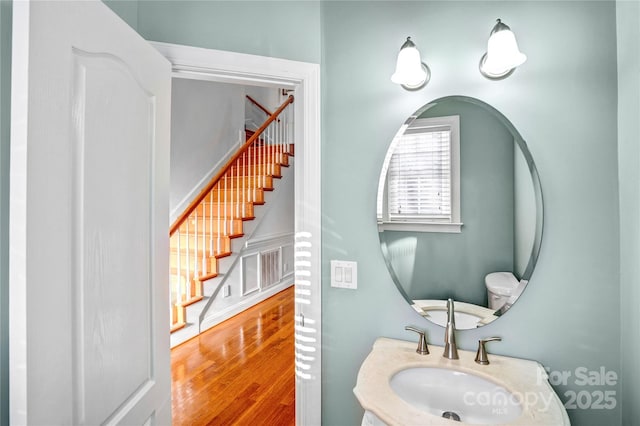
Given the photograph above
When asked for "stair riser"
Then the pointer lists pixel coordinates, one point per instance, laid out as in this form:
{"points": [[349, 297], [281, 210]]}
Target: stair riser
{"points": [[260, 157], [206, 229], [178, 313], [195, 288], [259, 182], [232, 210], [206, 266], [213, 243], [236, 195], [223, 249], [285, 149], [270, 169]]}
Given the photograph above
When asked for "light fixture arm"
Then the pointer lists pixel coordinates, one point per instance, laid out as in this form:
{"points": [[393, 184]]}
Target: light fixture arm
{"points": [[499, 26], [408, 43]]}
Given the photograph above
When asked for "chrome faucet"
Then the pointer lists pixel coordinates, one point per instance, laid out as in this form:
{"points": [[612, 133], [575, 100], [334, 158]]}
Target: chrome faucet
{"points": [[450, 347]]}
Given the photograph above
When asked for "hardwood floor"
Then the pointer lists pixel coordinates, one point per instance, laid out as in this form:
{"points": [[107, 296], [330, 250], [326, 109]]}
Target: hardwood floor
{"points": [[239, 372]]}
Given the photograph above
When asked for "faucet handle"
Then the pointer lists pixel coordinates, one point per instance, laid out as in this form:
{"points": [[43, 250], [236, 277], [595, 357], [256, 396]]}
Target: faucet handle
{"points": [[422, 340], [481, 355]]}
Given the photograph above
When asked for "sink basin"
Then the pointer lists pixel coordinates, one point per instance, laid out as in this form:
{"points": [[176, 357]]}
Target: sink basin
{"points": [[458, 395]]}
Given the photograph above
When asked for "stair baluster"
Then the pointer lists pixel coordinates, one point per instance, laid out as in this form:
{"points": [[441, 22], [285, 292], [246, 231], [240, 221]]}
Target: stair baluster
{"points": [[177, 290], [268, 144], [244, 187], [203, 266], [211, 216], [220, 216], [225, 230], [277, 141], [237, 203], [195, 249], [187, 292]]}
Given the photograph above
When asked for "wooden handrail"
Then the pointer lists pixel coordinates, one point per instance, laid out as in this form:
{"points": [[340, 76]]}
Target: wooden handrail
{"points": [[212, 183]]}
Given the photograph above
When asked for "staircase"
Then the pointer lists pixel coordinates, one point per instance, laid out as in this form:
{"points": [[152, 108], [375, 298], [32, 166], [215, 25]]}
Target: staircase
{"points": [[201, 238]]}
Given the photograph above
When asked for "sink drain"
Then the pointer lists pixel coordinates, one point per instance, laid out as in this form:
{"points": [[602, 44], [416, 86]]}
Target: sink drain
{"points": [[451, 415]]}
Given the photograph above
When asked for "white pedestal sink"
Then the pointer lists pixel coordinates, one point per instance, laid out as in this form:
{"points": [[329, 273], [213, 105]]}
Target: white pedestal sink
{"points": [[397, 386]]}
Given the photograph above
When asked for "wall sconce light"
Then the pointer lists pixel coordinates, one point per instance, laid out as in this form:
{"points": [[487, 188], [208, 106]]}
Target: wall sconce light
{"points": [[411, 73], [503, 55]]}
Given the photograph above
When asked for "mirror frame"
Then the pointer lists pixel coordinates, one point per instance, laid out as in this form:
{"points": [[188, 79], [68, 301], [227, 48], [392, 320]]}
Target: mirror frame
{"points": [[535, 179]]}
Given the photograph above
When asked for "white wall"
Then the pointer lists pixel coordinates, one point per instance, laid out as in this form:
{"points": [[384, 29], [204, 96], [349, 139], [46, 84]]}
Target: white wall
{"points": [[267, 97], [278, 214], [207, 122]]}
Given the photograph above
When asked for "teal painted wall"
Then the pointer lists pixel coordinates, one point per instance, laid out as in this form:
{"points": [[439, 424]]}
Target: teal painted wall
{"points": [[444, 265], [628, 25], [281, 29], [569, 314], [5, 117], [126, 9]]}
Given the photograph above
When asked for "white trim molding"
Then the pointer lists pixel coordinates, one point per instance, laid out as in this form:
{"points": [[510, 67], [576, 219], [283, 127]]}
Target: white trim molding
{"points": [[304, 79], [454, 228], [269, 240]]}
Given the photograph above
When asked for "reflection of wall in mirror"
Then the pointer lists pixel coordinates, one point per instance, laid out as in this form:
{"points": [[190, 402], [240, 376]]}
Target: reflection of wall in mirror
{"points": [[454, 265], [524, 214]]}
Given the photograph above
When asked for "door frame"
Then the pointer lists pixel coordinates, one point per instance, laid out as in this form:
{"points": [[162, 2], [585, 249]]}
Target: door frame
{"points": [[304, 79]]}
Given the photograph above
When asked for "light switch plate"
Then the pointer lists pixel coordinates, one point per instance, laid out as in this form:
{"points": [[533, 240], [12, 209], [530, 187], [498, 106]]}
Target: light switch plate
{"points": [[344, 274]]}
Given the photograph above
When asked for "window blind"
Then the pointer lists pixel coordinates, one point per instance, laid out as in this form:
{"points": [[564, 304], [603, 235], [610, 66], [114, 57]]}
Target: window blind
{"points": [[419, 176]]}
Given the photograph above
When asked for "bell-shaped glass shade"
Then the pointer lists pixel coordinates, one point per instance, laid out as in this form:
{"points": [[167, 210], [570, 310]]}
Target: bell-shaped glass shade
{"points": [[409, 68], [502, 53]]}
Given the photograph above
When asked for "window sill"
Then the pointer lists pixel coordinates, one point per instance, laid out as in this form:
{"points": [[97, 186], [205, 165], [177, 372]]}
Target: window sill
{"points": [[452, 228]]}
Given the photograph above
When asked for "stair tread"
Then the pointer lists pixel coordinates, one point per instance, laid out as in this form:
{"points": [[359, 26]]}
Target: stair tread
{"points": [[192, 301], [208, 276]]}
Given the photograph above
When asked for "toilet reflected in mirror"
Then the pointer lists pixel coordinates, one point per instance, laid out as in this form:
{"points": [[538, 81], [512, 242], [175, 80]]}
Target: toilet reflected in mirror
{"points": [[459, 211], [503, 289]]}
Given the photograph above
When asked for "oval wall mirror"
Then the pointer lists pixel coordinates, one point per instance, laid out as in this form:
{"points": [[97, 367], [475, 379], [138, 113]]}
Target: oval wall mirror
{"points": [[459, 211]]}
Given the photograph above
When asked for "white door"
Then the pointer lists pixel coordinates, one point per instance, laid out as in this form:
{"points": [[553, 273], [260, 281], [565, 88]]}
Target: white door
{"points": [[88, 219]]}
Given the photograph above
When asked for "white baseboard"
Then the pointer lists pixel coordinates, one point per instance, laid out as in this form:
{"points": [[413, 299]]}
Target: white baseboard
{"points": [[243, 305]]}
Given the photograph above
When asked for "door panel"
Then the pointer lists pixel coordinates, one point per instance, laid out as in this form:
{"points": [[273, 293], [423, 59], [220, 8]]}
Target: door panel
{"points": [[89, 219], [111, 226]]}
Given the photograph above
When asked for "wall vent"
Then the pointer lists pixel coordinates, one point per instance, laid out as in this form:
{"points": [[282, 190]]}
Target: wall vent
{"points": [[270, 267]]}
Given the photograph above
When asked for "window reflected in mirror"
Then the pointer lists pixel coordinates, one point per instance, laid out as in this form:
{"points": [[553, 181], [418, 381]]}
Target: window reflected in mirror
{"points": [[420, 181]]}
